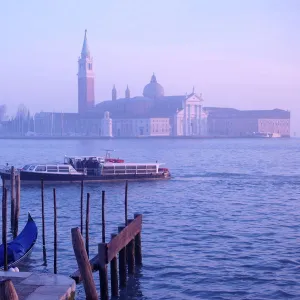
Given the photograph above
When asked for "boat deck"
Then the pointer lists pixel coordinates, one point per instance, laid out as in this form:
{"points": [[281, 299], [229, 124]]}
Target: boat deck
{"points": [[36, 286]]}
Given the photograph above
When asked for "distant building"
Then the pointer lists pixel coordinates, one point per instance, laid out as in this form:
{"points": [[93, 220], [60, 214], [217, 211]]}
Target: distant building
{"points": [[152, 114], [233, 122]]}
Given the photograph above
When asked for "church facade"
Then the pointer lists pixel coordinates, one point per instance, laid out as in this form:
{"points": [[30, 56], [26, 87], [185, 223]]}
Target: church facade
{"points": [[153, 113]]}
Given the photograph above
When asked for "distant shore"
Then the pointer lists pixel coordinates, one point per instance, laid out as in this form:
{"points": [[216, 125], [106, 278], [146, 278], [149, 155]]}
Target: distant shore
{"points": [[136, 137]]}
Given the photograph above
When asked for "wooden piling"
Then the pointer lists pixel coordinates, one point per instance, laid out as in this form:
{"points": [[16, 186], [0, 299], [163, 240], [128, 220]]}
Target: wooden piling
{"points": [[17, 205], [12, 194], [126, 202], [55, 232], [122, 263], [130, 256], [43, 223], [87, 222], [83, 265], [4, 227], [102, 254], [138, 246], [7, 290], [81, 208], [103, 216], [114, 274]]}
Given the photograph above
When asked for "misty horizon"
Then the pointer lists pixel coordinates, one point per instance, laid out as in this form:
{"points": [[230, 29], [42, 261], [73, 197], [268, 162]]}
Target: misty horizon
{"points": [[244, 57]]}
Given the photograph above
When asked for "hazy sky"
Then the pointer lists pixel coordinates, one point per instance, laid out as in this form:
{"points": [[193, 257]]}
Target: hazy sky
{"points": [[243, 54]]}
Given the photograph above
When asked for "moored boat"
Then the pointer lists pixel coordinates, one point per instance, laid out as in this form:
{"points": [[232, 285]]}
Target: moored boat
{"points": [[89, 169], [19, 248]]}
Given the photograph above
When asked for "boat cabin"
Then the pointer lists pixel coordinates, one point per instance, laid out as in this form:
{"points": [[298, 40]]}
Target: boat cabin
{"points": [[51, 168], [130, 168]]}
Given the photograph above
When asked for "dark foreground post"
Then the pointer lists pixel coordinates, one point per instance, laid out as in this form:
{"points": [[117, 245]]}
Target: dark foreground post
{"points": [[43, 223], [87, 222], [138, 246], [81, 207], [130, 256], [126, 201], [55, 232], [122, 263], [4, 227], [12, 194], [103, 216], [7, 290], [84, 265], [114, 274], [17, 205], [102, 253]]}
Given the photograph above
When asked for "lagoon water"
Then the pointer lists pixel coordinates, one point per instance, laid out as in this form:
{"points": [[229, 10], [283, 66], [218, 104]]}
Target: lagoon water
{"points": [[226, 226]]}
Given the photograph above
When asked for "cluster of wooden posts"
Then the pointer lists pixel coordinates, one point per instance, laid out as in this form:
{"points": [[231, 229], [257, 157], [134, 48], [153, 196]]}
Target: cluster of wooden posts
{"points": [[15, 209], [126, 244], [124, 247]]}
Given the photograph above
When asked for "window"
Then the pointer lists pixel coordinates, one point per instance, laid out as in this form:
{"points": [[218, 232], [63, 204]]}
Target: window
{"points": [[31, 168], [51, 168], [40, 168], [64, 169]]}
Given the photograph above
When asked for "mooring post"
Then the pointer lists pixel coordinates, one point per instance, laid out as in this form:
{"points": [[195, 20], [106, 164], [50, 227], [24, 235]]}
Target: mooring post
{"points": [[4, 227], [122, 263], [43, 223], [87, 222], [81, 207], [103, 216], [12, 193], [114, 274], [130, 248], [138, 246], [83, 265], [17, 205], [55, 232], [102, 254], [7, 290], [126, 202]]}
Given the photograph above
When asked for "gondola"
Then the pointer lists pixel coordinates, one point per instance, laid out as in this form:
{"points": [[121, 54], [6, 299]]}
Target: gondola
{"points": [[21, 246]]}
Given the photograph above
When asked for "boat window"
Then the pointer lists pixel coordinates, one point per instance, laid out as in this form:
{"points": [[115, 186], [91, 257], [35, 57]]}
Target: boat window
{"points": [[26, 167], [31, 168], [51, 168], [40, 168], [141, 167], [64, 169]]}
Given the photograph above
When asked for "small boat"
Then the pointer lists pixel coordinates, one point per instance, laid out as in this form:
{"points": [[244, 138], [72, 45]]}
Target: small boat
{"points": [[19, 248], [89, 169]]}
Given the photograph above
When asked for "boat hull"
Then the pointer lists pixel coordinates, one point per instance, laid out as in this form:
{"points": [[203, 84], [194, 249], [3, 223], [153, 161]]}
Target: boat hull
{"points": [[34, 177]]}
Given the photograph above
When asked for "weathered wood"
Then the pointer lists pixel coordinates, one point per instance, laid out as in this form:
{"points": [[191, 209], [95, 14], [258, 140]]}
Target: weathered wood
{"points": [[12, 194], [122, 263], [124, 237], [102, 253], [87, 222], [138, 246], [130, 253], [17, 206], [7, 290], [81, 207], [43, 223], [83, 265], [103, 216], [55, 232], [114, 274], [126, 202], [4, 227]]}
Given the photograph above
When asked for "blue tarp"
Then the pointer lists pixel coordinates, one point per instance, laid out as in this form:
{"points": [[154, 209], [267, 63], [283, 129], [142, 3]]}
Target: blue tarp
{"points": [[17, 248]]}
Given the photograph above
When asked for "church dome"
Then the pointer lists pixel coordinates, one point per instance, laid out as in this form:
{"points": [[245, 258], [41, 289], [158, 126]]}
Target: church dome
{"points": [[153, 89]]}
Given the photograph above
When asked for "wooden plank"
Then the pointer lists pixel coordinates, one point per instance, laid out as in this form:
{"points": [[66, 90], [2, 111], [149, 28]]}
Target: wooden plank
{"points": [[83, 264], [94, 263], [124, 237]]}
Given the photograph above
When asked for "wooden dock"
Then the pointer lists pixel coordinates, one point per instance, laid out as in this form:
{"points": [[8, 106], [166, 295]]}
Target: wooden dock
{"points": [[36, 286]]}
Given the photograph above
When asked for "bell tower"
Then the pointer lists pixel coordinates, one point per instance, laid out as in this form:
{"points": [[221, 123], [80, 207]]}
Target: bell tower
{"points": [[86, 92]]}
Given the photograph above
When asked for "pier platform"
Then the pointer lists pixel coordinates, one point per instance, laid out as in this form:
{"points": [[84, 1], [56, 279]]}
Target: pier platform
{"points": [[34, 286]]}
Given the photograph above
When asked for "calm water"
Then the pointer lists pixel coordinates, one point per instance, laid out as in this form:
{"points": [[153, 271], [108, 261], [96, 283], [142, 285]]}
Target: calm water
{"points": [[226, 226]]}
